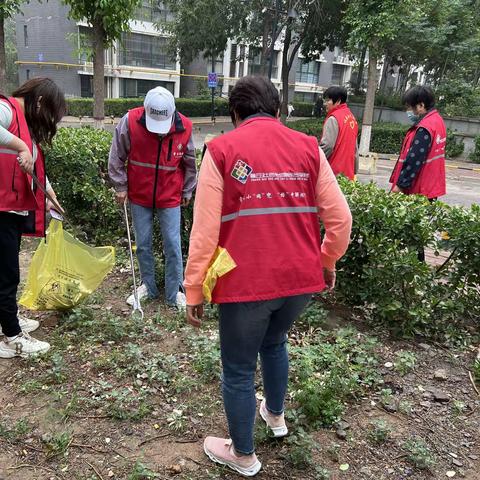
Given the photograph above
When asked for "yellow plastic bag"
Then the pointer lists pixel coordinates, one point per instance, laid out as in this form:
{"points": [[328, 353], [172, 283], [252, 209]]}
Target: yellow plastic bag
{"points": [[221, 264], [64, 271]]}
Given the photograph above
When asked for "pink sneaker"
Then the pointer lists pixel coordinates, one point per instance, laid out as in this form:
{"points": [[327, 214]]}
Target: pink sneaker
{"points": [[275, 422], [221, 450]]}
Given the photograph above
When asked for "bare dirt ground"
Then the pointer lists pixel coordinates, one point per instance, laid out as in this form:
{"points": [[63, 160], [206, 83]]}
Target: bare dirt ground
{"points": [[116, 398]]}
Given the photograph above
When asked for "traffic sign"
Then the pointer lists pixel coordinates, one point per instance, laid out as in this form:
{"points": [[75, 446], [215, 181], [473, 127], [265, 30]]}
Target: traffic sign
{"points": [[212, 80]]}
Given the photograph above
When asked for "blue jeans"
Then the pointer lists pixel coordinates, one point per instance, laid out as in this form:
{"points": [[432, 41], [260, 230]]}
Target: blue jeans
{"points": [[247, 329], [169, 219]]}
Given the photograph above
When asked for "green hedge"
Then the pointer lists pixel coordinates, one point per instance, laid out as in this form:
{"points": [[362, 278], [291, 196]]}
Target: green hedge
{"points": [[117, 107], [77, 166], [475, 155], [302, 109], [381, 276], [386, 137]]}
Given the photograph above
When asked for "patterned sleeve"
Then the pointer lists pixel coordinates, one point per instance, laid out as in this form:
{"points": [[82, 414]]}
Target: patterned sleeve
{"points": [[416, 158]]}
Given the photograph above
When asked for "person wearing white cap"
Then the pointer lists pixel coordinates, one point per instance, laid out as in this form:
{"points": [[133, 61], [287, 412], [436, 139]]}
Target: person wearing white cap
{"points": [[152, 164]]}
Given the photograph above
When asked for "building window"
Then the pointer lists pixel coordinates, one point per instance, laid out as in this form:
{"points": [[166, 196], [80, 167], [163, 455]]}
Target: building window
{"points": [[233, 60], [338, 74], [134, 88], [86, 86], [145, 51], [28, 74], [218, 65], [25, 35], [310, 97], [255, 62], [153, 12], [308, 72]]}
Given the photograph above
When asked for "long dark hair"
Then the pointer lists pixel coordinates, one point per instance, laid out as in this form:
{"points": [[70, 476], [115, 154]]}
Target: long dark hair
{"points": [[42, 121]]}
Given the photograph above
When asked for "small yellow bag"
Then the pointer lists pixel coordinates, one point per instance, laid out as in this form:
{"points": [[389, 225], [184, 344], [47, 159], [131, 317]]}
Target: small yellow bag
{"points": [[64, 271], [220, 264]]}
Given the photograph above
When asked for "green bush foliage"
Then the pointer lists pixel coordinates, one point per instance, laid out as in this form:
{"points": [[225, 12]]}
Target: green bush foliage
{"points": [[117, 107], [302, 109], [455, 147], [382, 276], [475, 155], [77, 164]]}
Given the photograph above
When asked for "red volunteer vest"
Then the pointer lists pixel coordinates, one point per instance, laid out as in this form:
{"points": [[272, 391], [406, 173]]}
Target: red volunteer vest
{"points": [[269, 217], [155, 169], [16, 186], [430, 181], [342, 159]]}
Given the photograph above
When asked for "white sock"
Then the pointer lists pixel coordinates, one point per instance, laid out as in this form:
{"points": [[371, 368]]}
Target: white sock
{"points": [[11, 339]]}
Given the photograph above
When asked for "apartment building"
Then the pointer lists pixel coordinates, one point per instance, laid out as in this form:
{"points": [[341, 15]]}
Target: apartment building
{"points": [[50, 44]]}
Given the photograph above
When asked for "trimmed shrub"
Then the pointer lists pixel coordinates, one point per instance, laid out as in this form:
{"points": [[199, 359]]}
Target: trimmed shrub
{"points": [[117, 107], [475, 155], [455, 146], [77, 168], [382, 276], [302, 109]]}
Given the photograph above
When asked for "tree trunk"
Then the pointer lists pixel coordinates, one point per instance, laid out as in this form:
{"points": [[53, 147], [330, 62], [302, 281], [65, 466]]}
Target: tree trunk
{"points": [[383, 80], [265, 46], [285, 70], [369, 104], [361, 67], [3, 70], [98, 73]]}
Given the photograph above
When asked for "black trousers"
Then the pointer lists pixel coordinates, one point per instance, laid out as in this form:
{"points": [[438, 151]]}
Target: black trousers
{"points": [[11, 228]]}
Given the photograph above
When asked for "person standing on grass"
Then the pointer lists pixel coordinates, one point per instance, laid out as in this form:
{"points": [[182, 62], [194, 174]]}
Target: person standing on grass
{"points": [[263, 209], [156, 143], [339, 134], [420, 168], [27, 119]]}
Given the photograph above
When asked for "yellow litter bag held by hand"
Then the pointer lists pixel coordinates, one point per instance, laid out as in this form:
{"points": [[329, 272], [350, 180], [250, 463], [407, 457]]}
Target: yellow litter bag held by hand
{"points": [[64, 271], [220, 264]]}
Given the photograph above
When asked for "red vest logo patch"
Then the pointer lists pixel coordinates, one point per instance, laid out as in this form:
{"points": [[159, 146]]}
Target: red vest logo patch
{"points": [[241, 171]]}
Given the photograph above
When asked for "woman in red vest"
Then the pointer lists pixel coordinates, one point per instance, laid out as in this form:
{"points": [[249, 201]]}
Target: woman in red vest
{"points": [[262, 188], [27, 119], [339, 134], [420, 168]]}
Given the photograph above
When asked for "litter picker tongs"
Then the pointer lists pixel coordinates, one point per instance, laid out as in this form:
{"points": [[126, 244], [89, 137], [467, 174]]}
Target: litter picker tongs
{"points": [[136, 300]]}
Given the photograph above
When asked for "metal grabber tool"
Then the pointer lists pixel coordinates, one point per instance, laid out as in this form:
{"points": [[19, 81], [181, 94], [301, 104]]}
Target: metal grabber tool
{"points": [[136, 301]]}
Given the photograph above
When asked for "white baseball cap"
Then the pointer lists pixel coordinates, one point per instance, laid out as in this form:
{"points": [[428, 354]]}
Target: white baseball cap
{"points": [[159, 109]]}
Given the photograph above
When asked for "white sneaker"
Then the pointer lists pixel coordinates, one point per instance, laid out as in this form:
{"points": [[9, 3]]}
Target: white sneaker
{"points": [[181, 301], [141, 292], [22, 345], [26, 324], [276, 423]]}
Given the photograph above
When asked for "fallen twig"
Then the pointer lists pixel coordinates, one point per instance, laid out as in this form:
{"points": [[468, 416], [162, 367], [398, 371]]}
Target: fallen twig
{"points": [[29, 465], [80, 445], [473, 382], [187, 441], [97, 473], [156, 437]]}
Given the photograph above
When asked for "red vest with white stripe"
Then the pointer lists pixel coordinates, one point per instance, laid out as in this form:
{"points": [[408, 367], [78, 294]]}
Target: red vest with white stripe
{"points": [[155, 169], [16, 191], [342, 159], [430, 181], [269, 223]]}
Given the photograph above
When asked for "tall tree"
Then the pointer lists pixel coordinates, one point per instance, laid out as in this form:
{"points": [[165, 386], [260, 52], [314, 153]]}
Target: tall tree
{"points": [[204, 26], [109, 19], [7, 9], [375, 23]]}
